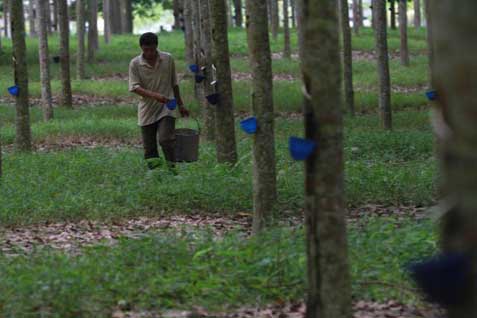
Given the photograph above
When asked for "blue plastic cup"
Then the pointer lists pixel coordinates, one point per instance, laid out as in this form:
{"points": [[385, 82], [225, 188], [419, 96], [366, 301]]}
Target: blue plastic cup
{"points": [[172, 104], [14, 90], [301, 149], [213, 99], [194, 68], [249, 125], [431, 95]]}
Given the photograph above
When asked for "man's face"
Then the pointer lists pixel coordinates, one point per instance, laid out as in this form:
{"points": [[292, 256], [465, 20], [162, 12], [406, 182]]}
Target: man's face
{"points": [[149, 51]]}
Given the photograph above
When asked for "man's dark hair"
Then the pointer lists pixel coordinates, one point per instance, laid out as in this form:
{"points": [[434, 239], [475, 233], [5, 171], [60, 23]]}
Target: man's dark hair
{"points": [[148, 39]]}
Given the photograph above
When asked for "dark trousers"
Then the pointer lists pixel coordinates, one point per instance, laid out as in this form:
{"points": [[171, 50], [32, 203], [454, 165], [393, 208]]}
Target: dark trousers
{"points": [[164, 130]]}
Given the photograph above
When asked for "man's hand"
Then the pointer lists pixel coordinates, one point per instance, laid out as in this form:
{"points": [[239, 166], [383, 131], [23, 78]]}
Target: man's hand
{"points": [[184, 112], [160, 98]]}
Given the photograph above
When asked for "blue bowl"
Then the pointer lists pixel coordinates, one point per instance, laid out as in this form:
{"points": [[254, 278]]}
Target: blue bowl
{"points": [[194, 68], [199, 78], [431, 95], [172, 104], [14, 90], [301, 149], [249, 125], [444, 278], [213, 99]]}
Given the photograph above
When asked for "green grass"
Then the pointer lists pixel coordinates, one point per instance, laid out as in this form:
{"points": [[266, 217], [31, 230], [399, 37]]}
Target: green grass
{"points": [[186, 269]]}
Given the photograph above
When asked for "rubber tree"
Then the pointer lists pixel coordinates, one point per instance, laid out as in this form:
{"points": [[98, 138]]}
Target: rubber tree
{"points": [[188, 32], [455, 79], [80, 30], [44, 59], [55, 15], [32, 16], [392, 10], [205, 58], [126, 16], [274, 14], [238, 13], [65, 74], [177, 15], [383, 64], [93, 44], [6, 17], [356, 17], [286, 31], [264, 170], [328, 273], [225, 123], [107, 21], [430, 46], [293, 13], [404, 50], [417, 13], [347, 56], [22, 119]]}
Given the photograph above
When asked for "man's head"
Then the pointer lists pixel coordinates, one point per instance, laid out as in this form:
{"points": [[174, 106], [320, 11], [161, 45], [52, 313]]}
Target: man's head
{"points": [[148, 42]]}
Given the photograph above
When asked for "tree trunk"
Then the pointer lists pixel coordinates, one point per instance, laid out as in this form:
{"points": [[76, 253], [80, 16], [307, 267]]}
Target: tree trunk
{"points": [[6, 17], [455, 76], [49, 27], [361, 14], [430, 46], [126, 17], [383, 64], [22, 119], [115, 17], [293, 13], [225, 123], [230, 20], [373, 14], [188, 32], [80, 29], [44, 60], [55, 15], [299, 18], [238, 13], [198, 88], [417, 14], [329, 282], [64, 28], [275, 18], [356, 17], [107, 20], [404, 51], [392, 9], [264, 171], [92, 29], [205, 60], [347, 56], [32, 17], [286, 31], [176, 12]]}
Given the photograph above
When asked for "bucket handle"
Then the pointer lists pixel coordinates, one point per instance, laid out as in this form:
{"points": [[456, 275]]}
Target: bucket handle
{"points": [[199, 129]]}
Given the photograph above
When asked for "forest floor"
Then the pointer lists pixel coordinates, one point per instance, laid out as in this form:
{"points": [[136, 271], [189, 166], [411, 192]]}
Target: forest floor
{"points": [[86, 232]]}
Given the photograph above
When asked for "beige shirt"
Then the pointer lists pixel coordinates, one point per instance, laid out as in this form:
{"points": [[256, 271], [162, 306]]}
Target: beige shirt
{"points": [[160, 78]]}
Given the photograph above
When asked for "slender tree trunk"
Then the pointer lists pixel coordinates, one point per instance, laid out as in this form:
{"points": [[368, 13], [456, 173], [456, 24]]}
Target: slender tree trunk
{"points": [[455, 76], [293, 13], [404, 51], [32, 17], [356, 17], [205, 59], [92, 29], [44, 60], [361, 14], [230, 20], [430, 46], [373, 14], [286, 31], [329, 282], [198, 88], [392, 9], [264, 171], [55, 15], [6, 17], [107, 20], [383, 64], [64, 28], [176, 12], [188, 32], [80, 30], [115, 17], [225, 124], [299, 18], [49, 27], [126, 17], [238, 13], [275, 18], [22, 119], [417, 14], [347, 56]]}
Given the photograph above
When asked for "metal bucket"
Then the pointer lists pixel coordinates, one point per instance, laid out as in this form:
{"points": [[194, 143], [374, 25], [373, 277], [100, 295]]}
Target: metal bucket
{"points": [[187, 144]]}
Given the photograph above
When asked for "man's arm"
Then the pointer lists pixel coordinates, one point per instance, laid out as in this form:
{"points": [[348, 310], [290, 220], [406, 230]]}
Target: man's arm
{"points": [[135, 85], [150, 94]]}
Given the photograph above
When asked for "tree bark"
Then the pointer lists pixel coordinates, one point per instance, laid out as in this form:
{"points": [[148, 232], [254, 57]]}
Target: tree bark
{"points": [[205, 60], [6, 17], [64, 28], [44, 60], [176, 13], [264, 170], [356, 17], [286, 31], [225, 123], [383, 64], [361, 14], [275, 18], [199, 88], [299, 18], [55, 15], [126, 17], [115, 17], [347, 56], [188, 32], [230, 20], [329, 282], [404, 51], [417, 14], [430, 46], [373, 14], [32, 17], [92, 29], [455, 77], [49, 27], [107, 20], [22, 119], [238, 13], [80, 30], [392, 9]]}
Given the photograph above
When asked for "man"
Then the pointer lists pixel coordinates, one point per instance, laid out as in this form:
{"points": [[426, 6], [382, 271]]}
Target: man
{"points": [[152, 75]]}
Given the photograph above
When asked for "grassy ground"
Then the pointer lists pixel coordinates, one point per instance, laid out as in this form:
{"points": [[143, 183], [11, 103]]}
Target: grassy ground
{"points": [[178, 270]]}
